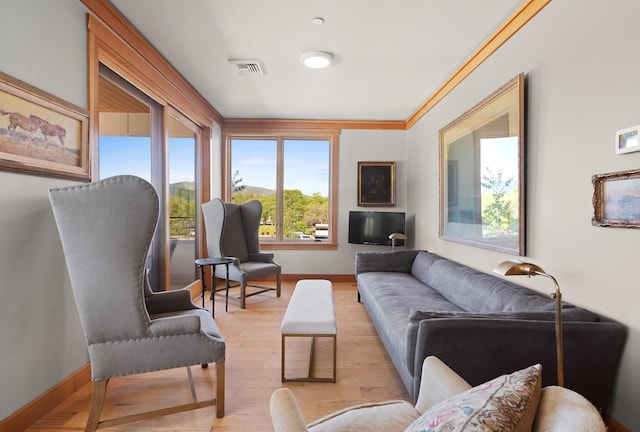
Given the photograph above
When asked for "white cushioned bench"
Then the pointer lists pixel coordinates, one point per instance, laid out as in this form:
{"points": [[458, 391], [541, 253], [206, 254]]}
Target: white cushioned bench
{"points": [[310, 313]]}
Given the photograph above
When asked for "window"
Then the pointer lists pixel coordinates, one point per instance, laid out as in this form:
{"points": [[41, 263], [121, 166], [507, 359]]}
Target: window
{"points": [[156, 126], [292, 176], [128, 144]]}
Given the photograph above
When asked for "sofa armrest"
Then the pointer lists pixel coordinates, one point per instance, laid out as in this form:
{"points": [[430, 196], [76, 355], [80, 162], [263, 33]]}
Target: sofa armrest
{"points": [[563, 410], [285, 413], [592, 351], [396, 261]]}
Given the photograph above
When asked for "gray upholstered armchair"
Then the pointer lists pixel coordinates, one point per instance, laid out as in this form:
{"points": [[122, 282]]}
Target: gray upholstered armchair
{"points": [[232, 231], [106, 229]]}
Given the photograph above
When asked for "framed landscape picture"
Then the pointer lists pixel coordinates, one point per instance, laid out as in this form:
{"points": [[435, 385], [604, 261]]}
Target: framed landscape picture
{"points": [[40, 133], [616, 199], [377, 184], [482, 173]]}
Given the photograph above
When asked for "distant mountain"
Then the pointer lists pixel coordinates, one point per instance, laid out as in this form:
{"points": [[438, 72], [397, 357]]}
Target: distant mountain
{"points": [[183, 185], [260, 191], [180, 187], [257, 190], [184, 189]]}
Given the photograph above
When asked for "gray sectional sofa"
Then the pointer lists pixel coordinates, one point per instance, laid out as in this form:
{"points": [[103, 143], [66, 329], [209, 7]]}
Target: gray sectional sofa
{"points": [[481, 325]]}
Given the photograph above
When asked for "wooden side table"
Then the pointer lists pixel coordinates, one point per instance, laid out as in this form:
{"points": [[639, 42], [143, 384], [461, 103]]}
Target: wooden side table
{"points": [[213, 262]]}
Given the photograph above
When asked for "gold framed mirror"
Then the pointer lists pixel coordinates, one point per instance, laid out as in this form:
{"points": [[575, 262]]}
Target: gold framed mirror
{"points": [[482, 173]]}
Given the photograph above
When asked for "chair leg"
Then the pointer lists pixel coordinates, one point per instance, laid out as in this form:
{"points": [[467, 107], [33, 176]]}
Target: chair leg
{"points": [[220, 389], [97, 401], [243, 294], [192, 387], [278, 280]]}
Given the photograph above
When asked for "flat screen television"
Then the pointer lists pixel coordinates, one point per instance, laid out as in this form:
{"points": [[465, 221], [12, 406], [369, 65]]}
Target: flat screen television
{"points": [[373, 228]]}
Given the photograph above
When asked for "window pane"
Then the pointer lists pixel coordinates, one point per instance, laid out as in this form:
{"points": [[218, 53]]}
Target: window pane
{"points": [[253, 176], [125, 155], [182, 204], [306, 189]]}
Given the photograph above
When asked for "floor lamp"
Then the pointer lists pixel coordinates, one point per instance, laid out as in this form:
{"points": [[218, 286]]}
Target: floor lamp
{"points": [[519, 268]]}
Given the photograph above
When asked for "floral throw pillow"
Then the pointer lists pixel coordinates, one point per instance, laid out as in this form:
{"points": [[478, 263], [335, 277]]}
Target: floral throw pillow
{"points": [[507, 403]]}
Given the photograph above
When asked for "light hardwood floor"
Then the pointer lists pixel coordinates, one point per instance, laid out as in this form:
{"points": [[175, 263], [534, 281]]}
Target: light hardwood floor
{"points": [[364, 373]]}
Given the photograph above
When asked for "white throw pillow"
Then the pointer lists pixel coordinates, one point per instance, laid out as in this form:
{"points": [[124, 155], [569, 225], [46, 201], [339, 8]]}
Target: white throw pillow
{"points": [[507, 403]]}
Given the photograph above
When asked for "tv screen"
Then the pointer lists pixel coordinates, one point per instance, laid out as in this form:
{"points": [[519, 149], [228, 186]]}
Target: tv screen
{"points": [[373, 228]]}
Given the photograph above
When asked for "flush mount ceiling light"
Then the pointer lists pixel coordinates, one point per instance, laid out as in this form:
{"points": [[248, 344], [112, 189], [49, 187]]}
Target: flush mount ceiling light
{"points": [[316, 59]]}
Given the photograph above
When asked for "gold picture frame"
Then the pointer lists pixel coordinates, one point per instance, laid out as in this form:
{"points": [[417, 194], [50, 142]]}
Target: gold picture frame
{"points": [[376, 184], [482, 173], [42, 134], [616, 199]]}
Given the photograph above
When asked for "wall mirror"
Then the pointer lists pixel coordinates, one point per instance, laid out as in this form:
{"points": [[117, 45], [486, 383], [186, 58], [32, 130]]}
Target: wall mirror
{"points": [[482, 173]]}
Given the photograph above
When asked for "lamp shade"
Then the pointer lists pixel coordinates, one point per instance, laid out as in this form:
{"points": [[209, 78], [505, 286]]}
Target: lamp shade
{"points": [[397, 236], [518, 268]]}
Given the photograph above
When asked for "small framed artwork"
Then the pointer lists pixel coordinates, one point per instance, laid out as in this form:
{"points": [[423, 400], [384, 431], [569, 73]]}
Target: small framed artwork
{"points": [[616, 199], [40, 133], [627, 140], [377, 184]]}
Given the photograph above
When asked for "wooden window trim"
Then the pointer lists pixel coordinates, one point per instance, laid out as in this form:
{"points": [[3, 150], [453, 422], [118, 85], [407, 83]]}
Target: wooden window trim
{"points": [[330, 134]]}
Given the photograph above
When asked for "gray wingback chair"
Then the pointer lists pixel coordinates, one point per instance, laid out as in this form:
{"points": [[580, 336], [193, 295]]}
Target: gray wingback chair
{"points": [[232, 231], [106, 228]]}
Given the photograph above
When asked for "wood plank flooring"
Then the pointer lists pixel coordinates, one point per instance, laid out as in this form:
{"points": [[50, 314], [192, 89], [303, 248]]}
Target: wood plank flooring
{"points": [[364, 373]]}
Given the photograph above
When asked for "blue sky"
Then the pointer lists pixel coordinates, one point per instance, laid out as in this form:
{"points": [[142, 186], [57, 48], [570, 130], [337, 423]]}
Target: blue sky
{"points": [[306, 164], [132, 155], [306, 161]]}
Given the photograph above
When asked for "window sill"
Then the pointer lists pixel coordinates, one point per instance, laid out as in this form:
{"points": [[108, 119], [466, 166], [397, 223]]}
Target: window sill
{"points": [[299, 245]]}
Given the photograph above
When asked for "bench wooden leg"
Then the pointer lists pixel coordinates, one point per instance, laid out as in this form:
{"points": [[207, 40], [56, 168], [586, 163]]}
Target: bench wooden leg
{"points": [[310, 376], [282, 359]]}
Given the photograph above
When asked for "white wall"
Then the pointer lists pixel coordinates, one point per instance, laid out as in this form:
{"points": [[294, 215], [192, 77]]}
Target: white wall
{"points": [[582, 71], [43, 44], [355, 146]]}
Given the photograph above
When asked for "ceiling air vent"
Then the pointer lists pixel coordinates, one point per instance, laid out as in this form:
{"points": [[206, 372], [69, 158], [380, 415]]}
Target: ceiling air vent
{"points": [[248, 67]]}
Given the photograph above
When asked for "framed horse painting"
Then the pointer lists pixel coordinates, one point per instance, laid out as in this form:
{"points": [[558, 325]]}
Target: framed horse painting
{"points": [[40, 133]]}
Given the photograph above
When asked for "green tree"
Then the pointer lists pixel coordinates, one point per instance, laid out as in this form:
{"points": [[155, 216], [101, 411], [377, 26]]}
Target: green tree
{"points": [[301, 212], [182, 209], [295, 207], [243, 197], [317, 210], [236, 182], [496, 214], [268, 209]]}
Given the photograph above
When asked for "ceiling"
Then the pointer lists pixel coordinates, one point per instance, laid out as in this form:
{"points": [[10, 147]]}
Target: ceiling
{"points": [[389, 56]]}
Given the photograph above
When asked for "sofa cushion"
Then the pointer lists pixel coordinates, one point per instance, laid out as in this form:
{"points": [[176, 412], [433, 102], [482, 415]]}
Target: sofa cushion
{"points": [[389, 297], [371, 417], [421, 264], [507, 403], [475, 291], [396, 261]]}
